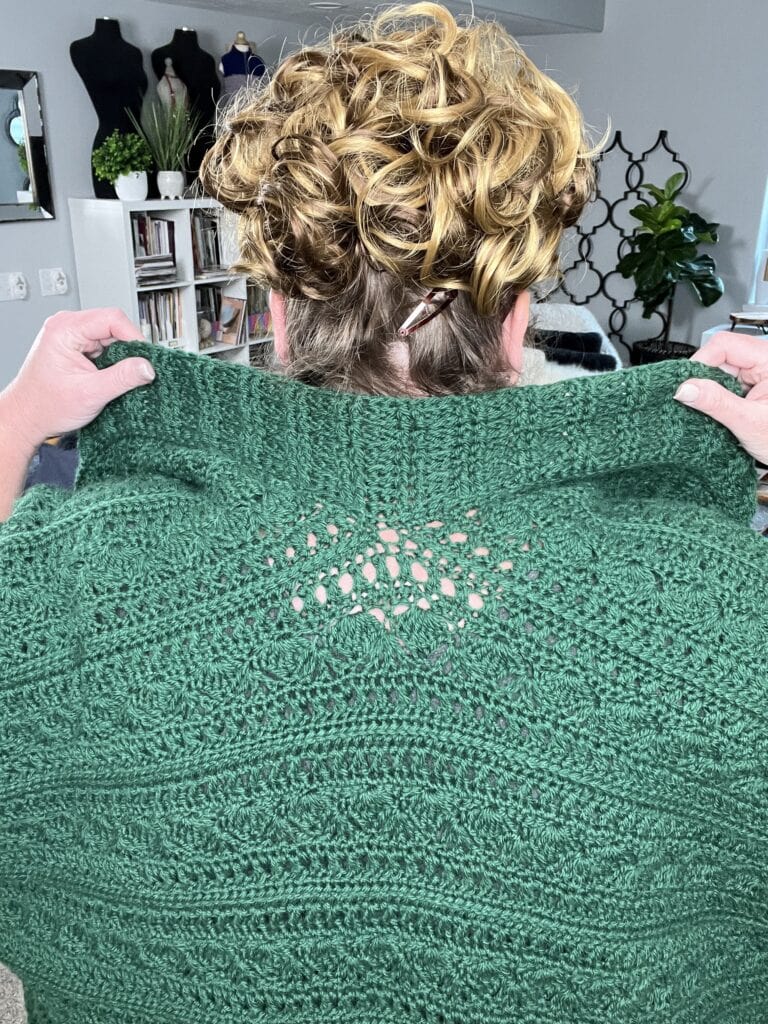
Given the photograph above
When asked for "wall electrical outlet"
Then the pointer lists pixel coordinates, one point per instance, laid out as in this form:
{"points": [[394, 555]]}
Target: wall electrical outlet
{"points": [[13, 286], [53, 281]]}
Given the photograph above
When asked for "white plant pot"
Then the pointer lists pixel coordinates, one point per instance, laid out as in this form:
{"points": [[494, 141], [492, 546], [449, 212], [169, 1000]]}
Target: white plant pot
{"points": [[133, 186], [170, 184]]}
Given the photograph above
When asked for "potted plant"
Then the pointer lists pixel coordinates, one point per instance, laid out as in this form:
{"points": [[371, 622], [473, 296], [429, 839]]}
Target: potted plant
{"points": [[169, 133], [123, 160], [664, 252]]}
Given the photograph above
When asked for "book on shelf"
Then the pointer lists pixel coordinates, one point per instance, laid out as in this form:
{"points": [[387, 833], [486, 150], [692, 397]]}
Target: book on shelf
{"points": [[153, 236], [160, 317], [206, 251], [205, 272], [259, 323]]}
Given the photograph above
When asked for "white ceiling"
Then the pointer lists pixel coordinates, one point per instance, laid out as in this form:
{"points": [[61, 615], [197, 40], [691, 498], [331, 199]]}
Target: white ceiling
{"points": [[520, 17]]}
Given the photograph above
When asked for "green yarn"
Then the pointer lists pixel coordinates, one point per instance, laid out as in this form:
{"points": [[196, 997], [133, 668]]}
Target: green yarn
{"points": [[328, 708]]}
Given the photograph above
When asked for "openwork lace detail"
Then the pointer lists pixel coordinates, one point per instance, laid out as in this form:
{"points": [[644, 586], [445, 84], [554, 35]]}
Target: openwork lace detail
{"points": [[435, 566]]}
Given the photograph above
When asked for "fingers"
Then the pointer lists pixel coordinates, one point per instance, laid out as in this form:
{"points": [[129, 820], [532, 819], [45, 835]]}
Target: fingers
{"points": [[742, 355], [758, 393], [747, 420], [107, 384], [90, 330], [120, 327]]}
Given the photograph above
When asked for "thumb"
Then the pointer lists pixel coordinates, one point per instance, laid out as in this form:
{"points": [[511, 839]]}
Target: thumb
{"points": [[122, 376], [743, 418], [711, 398]]}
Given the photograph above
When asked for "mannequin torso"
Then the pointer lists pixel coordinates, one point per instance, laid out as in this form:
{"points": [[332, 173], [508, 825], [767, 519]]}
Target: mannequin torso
{"points": [[238, 65], [197, 70], [112, 71], [171, 89]]}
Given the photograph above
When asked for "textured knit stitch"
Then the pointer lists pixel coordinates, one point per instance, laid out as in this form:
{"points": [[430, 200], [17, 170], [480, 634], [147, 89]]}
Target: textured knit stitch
{"points": [[328, 708]]}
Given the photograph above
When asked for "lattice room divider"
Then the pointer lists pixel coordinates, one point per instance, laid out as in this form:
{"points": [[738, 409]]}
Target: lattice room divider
{"points": [[592, 249]]}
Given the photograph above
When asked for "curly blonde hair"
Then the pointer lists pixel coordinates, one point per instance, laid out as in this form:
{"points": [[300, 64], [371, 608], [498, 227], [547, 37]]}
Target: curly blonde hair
{"points": [[405, 155]]}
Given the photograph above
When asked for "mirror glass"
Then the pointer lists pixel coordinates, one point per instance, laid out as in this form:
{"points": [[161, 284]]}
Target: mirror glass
{"points": [[25, 185]]}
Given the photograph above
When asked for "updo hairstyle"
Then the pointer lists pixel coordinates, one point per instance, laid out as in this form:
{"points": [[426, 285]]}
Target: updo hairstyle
{"points": [[400, 156]]}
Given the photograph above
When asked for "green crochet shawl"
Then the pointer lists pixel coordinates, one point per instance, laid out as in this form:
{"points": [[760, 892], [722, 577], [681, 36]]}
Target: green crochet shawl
{"points": [[319, 708]]}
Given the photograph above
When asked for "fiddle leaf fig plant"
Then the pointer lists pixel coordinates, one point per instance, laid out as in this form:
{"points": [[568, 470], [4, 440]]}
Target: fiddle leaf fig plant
{"points": [[665, 251]]}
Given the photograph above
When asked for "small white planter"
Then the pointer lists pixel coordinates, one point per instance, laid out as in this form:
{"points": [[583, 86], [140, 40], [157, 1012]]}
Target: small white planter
{"points": [[133, 186], [170, 184]]}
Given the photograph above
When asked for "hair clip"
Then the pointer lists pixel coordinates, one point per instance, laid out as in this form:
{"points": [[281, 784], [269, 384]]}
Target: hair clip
{"points": [[433, 303]]}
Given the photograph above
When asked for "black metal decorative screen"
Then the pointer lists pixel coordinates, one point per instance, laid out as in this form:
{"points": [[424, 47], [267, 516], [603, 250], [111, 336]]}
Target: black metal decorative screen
{"points": [[592, 249]]}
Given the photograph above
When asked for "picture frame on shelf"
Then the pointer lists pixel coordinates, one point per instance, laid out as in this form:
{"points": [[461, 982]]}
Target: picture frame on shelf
{"points": [[207, 313], [231, 320]]}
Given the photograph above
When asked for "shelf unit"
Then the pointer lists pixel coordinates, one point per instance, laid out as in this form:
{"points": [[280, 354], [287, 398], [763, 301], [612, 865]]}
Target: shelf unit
{"points": [[104, 257]]}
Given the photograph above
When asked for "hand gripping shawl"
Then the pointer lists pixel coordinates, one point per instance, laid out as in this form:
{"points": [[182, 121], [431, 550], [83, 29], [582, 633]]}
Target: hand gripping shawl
{"points": [[320, 708]]}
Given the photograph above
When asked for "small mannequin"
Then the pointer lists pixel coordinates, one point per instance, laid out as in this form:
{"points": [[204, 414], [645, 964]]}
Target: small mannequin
{"points": [[197, 70], [171, 89], [112, 71], [240, 64]]}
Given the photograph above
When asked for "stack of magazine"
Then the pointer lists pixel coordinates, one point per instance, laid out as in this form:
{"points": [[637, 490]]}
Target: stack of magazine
{"points": [[154, 249], [152, 270]]}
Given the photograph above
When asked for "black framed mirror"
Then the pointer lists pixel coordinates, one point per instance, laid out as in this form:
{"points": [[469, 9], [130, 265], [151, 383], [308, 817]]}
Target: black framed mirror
{"points": [[25, 184]]}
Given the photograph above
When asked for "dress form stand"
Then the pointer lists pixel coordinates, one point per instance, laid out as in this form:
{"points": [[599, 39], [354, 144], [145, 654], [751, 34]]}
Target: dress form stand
{"points": [[240, 65], [171, 90], [197, 70], [112, 71]]}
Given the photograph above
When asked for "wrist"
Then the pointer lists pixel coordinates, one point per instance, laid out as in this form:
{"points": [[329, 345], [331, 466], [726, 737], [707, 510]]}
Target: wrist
{"points": [[15, 427]]}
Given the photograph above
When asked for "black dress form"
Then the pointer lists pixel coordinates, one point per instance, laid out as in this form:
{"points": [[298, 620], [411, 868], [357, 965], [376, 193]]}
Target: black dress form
{"points": [[197, 70], [113, 74]]}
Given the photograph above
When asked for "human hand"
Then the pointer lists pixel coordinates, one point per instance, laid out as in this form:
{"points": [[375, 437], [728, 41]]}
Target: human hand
{"points": [[746, 358], [59, 389]]}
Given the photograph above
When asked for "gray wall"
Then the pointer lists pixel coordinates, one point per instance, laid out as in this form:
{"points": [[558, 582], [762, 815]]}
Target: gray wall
{"points": [[698, 69], [36, 37]]}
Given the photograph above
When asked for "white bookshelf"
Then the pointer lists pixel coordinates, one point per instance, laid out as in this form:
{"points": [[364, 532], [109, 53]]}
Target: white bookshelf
{"points": [[104, 257]]}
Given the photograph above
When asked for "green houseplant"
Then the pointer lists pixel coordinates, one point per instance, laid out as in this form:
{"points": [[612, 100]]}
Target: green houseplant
{"points": [[665, 252], [21, 151], [123, 159], [169, 133]]}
